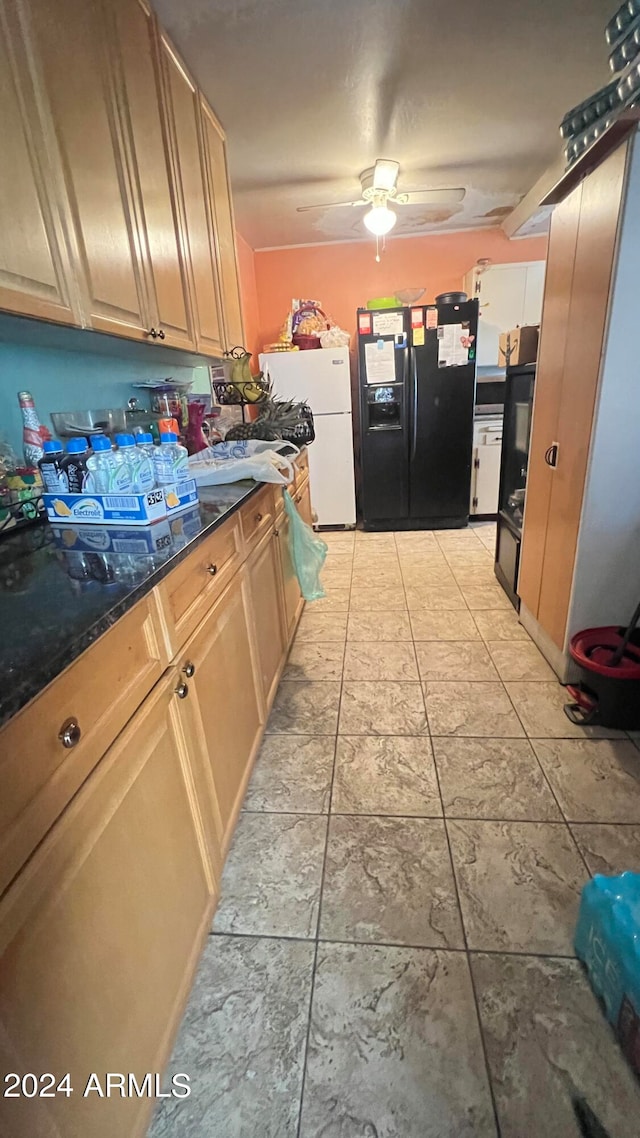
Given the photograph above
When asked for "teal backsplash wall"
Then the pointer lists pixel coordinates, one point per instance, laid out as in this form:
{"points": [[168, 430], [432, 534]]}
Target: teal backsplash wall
{"points": [[72, 380]]}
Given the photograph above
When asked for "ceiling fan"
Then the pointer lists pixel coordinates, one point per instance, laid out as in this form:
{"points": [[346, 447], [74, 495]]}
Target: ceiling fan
{"points": [[379, 188]]}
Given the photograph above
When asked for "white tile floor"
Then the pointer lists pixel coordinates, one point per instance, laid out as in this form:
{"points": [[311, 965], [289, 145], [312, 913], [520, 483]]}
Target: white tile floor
{"points": [[392, 956]]}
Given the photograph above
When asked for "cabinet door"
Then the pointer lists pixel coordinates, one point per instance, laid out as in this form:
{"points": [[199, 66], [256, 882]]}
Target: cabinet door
{"points": [[101, 933], [303, 503], [533, 293], [501, 296], [35, 273], [70, 47], [268, 618], [183, 122], [158, 220], [220, 196], [224, 701], [487, 479], [292, 597]]}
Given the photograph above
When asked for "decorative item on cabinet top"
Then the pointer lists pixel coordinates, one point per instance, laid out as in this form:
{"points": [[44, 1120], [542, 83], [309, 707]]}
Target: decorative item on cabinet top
{"points": [[152, 257]]}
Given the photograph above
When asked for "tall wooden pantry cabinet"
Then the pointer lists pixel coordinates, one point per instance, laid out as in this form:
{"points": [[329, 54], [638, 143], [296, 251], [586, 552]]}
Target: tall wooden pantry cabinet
{"points": [[581, 539]]}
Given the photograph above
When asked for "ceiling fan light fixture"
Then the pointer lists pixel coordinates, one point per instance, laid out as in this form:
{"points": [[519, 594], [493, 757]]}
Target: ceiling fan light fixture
{"points": [[380, 220]]}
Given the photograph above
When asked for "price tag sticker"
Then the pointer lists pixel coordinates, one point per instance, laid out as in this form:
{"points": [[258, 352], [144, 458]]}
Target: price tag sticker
{"points": [[364, 323]]}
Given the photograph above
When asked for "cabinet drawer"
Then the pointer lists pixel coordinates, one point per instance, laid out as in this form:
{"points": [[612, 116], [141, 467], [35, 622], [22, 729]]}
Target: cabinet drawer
{"points": [[191, 588], [257, 516], [94, 698]]}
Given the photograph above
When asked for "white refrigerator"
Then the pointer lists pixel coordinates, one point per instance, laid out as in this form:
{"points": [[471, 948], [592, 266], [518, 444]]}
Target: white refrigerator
{"points": [[321, 378]]}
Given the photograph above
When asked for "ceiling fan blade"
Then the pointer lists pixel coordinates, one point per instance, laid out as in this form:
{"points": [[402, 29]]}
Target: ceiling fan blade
{"points": [[328, 205], [385, 174], [432, 197]]}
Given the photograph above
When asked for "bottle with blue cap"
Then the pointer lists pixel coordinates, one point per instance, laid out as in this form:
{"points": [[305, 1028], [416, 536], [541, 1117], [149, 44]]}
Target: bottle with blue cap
{"points": [[51, 468], [144, 442], [74, 464], [101, 465], [171, 460], [122, 479], [139, 464]]}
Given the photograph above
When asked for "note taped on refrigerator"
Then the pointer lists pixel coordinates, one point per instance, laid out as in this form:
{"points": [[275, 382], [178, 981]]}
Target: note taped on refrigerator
{"points": [[380, 362], [388, 323], [454, 342]]}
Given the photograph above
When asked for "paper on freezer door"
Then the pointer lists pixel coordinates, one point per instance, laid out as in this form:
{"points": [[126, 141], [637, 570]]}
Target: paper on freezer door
{"points": [[380, 362]]}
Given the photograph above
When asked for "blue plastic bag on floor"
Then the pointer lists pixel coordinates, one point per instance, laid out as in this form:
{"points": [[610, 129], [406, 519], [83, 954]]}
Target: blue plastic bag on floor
{"points": [[607, 940], [308, 552]]}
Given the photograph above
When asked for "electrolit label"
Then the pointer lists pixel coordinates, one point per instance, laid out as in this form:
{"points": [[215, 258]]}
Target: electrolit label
{"points": [[181, 468], [120, 479], [142, 474]]}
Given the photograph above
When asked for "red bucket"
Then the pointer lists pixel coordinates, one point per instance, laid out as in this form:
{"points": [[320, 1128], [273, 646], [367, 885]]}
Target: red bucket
{"points": [[609, 696]]}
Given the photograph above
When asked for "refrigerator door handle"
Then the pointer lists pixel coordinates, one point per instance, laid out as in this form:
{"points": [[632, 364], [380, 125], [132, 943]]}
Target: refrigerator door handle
{"points": [[414, 394]]}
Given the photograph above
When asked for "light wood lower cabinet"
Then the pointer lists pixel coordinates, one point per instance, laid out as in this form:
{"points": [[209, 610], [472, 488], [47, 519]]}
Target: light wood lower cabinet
{"points": [[223, 700], [263, 572], [101, 933], [292, 597], [302, 501]]}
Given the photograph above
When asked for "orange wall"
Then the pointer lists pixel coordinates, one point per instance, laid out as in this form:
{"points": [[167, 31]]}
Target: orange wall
{"points": [[249, 298], [344, 277]]}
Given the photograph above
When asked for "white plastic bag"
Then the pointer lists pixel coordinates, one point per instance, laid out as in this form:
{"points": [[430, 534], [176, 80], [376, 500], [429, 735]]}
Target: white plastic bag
{"points": [[262, 461], [335, 337]]}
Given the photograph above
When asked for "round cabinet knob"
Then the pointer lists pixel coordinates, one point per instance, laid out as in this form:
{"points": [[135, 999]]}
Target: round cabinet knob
{"points": [[276, 533], [212, 569], [160, 334], [299, 498], [182, 690], [259, 517], [153, 332], [189, 669], [69, 734]]}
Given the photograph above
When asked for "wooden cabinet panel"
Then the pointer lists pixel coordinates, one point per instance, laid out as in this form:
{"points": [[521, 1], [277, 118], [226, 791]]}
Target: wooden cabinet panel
{"points": [[599, 215], [192, 587], [35, 273], [302, 501], [224, 701], [100, 692], [70, 47], [139, 89], [263, 572], [257, 517], [551, 356], [101, 933], [182, 106], [292, 597], [220, 195]]}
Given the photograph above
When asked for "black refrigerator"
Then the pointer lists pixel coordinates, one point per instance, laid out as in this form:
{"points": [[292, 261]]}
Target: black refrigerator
{"points": [[417, 377]]}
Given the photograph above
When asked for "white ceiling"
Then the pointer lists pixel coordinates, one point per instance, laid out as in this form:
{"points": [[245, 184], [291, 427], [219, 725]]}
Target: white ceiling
{"points": [[313, 91]]}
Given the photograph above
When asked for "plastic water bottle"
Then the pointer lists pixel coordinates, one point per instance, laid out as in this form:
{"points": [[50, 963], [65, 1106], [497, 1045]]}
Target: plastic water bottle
{"points": [[122, 479], [101, 465], [74, 464], [171, 460], [144, 442], [140, 465], [51, 468]]}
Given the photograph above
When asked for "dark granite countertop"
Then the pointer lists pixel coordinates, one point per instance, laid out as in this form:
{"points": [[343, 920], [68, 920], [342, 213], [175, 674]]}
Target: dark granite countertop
{"points": [[62, 586]]}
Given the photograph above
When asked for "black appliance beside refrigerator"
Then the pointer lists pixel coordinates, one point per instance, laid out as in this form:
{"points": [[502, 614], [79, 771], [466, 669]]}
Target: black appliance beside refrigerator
{"points": [[516, 435], [417, 376]]}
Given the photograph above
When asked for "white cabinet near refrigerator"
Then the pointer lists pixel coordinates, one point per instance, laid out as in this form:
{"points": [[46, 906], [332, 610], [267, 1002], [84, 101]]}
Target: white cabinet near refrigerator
{"points": [[322, 379], [510, 296], [485, 470]]}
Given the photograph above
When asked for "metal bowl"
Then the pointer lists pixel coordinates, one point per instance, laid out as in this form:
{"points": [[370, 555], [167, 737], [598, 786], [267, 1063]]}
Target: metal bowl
{"points": [[105, 421], [410, 295]]}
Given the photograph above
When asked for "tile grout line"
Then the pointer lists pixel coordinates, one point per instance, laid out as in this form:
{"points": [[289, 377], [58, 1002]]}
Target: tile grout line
{"points": [[320, 894], [462, 924]]}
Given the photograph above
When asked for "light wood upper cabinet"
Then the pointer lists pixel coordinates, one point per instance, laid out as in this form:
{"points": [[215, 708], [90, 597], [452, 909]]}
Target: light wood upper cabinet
{"points": [[35, 271], [100, 934], [220, 193], [183, 122], [164, 252], [70, 42]]}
